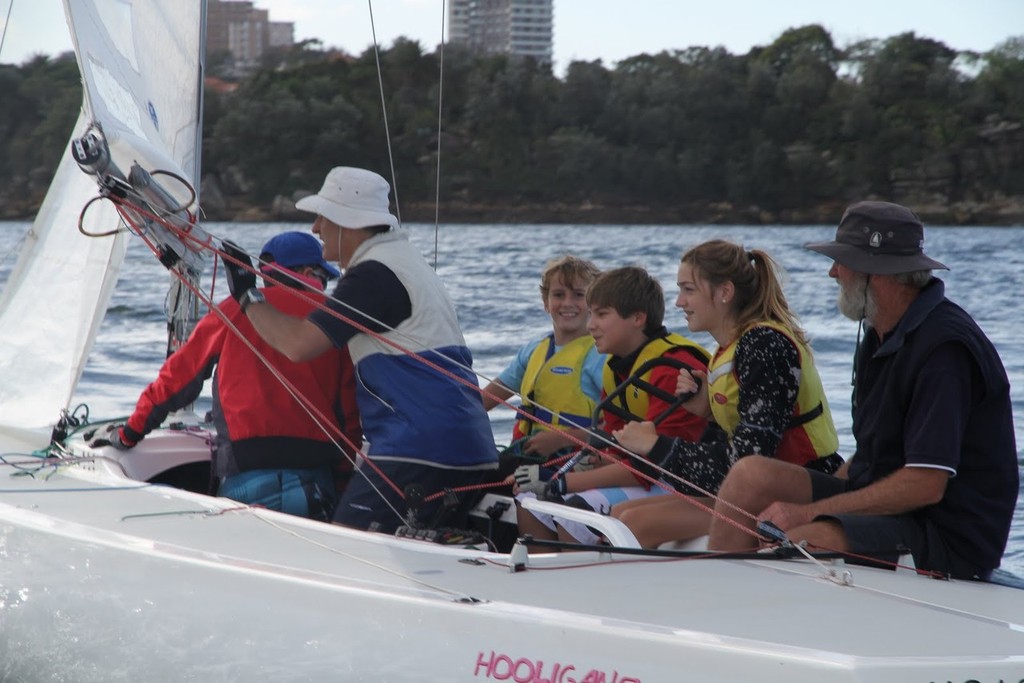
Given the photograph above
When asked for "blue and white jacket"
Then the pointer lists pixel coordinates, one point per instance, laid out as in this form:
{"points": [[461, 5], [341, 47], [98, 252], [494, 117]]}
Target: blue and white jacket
{"points": [[411, 411]]}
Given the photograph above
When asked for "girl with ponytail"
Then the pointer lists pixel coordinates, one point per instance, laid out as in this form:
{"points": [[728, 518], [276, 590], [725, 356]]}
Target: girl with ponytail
{"points": [[761, 394]]}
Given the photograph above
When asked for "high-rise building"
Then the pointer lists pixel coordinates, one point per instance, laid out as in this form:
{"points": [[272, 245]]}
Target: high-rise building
{"points": [[236, 26], [515, 27]]}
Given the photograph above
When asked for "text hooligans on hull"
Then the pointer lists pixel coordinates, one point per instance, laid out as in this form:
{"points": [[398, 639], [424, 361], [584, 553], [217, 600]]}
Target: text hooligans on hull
{"points": [[501, 667]]}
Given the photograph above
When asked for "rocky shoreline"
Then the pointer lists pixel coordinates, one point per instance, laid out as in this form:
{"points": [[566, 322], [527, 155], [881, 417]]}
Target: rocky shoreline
{"points": [[999, 211], [1004, 212]]}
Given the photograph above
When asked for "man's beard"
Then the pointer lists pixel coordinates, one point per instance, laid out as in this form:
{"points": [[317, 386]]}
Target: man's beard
{"points": [[855, 301]]}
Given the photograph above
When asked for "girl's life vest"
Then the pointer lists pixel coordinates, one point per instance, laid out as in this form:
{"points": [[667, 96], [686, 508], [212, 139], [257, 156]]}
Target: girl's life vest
{"points": [[810, 433]]}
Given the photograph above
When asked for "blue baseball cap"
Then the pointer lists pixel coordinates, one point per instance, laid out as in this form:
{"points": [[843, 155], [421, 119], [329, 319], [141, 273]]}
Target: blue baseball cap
{"points": [[296, 249]]}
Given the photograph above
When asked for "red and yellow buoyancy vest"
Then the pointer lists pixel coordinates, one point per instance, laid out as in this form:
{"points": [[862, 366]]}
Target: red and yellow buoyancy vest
{"points": [[554, 379], [810, 433], [633, 400]]}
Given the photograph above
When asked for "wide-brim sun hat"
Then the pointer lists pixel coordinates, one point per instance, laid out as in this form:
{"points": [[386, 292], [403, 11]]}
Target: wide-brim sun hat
{"points": [[295, 249], [352, 198], [878, 238]]}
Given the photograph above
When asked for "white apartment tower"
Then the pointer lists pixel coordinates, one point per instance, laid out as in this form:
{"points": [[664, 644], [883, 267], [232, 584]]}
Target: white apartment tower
{"points": [[515, 27]]}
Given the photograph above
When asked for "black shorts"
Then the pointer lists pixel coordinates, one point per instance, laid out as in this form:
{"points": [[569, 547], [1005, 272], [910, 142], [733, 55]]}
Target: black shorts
{"points": [[886, 537]]}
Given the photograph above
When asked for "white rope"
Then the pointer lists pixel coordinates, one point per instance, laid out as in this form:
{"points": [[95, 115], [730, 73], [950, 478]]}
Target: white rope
{"points": [[7, 22], [384, 113], [440, 100], [465, 597]]}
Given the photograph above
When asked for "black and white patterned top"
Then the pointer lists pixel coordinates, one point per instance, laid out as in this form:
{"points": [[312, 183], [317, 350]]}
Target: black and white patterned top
{"points": [[767, 365]]}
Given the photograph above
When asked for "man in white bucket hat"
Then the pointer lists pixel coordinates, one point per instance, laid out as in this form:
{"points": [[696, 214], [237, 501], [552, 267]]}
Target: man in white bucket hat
{"points": [[424, 426]]}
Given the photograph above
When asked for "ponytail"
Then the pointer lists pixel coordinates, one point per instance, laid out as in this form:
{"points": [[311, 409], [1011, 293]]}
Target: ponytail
{"points": [[755, 277]]}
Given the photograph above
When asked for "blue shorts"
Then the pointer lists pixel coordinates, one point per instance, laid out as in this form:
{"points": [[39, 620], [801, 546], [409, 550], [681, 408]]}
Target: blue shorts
{"points": [[306, 492], [369, 500]]}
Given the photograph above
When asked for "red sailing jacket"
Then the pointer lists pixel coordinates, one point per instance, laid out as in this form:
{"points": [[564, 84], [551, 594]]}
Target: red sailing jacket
{"points": [[260, 425]]}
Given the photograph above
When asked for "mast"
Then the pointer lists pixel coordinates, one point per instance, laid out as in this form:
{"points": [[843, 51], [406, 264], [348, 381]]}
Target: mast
{"points": [[143, 68], [156, 215], [183, 311]]}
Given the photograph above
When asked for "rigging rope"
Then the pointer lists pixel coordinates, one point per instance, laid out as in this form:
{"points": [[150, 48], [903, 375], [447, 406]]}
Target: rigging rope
{"points": [[7, 22], [387, 132], [126, 207], [384, 113], [437, 173], [323, 423], [333, 433], [128, 211]]}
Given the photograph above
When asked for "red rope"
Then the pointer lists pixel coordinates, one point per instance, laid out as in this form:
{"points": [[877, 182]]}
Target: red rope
{"points": [[331, 430], [328, 427], [325, 423]]}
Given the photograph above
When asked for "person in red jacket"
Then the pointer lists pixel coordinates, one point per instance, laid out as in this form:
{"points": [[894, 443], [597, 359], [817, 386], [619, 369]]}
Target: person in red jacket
{"points": [[270, 450]]}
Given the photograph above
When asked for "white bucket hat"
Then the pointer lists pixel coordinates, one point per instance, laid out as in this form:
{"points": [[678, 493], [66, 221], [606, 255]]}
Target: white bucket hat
{"points": [[352, 198]]}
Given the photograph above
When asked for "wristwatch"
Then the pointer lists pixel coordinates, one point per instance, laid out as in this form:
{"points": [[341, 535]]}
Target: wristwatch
{"points": [[251, 296]]}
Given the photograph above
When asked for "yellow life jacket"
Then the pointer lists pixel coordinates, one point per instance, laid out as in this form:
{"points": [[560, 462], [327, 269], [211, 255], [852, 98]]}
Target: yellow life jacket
{"points": [[554, 380], [633, 400], [810, 433]]}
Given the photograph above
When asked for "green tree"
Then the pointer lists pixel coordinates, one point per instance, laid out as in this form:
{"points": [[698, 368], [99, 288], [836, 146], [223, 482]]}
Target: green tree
{"points": [[789, 126], [42, 100], [914, 89]]}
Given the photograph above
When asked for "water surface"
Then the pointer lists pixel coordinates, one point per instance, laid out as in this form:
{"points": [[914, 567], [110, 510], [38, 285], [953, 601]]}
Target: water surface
{"points": [[492, 273]]}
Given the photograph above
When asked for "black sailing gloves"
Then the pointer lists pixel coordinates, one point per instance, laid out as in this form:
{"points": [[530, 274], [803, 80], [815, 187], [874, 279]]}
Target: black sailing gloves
{"points": [[114, 435], [240, 280]]}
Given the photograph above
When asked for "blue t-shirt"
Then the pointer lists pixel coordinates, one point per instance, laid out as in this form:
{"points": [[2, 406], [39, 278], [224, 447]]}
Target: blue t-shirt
{"points": [[593, 367], [369, 293]]}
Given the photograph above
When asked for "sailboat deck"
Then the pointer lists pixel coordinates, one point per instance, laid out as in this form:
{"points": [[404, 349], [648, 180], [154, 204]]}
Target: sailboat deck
{"points": [[786, 608]]}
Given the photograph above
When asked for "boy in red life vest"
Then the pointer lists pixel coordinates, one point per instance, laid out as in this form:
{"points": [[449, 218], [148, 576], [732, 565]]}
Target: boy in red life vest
{"points": [[270, 451], [627, 310]]}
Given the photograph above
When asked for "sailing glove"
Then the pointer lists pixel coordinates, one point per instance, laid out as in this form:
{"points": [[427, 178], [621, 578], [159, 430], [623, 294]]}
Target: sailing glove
{"points": [[530, 479], [238, 267], [537, 480], [555, 489], [114, 436]]}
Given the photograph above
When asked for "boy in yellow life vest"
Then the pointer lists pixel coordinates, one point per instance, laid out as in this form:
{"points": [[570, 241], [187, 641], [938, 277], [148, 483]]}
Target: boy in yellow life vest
{"points": [[627, 310], [761, 390], [557, 375]]}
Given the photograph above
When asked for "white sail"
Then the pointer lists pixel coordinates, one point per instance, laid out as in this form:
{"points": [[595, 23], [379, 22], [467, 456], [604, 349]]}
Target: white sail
{"points": [[50, 311], [54, 302], [129, 54]]}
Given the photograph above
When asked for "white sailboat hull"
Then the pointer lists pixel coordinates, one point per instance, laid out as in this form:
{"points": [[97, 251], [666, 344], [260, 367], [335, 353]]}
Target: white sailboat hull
{"points": [[103, 577]]}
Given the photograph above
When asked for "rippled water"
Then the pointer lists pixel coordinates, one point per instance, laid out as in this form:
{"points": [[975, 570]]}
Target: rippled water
{"points": [[492, 272]]}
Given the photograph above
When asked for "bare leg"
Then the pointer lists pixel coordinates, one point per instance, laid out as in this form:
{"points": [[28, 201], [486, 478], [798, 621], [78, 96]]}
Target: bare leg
{"points": [[619, 508], [565, 536], [754, 483], [661, 519], [528, 524], [822, 535]]}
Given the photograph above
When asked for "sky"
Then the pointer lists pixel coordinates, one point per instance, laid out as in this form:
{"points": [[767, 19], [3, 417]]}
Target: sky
{"points": [[609, 30]]}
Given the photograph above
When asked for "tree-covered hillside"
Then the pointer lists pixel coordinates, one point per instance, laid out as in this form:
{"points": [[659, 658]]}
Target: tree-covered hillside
{"points": [[789, 132]]}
